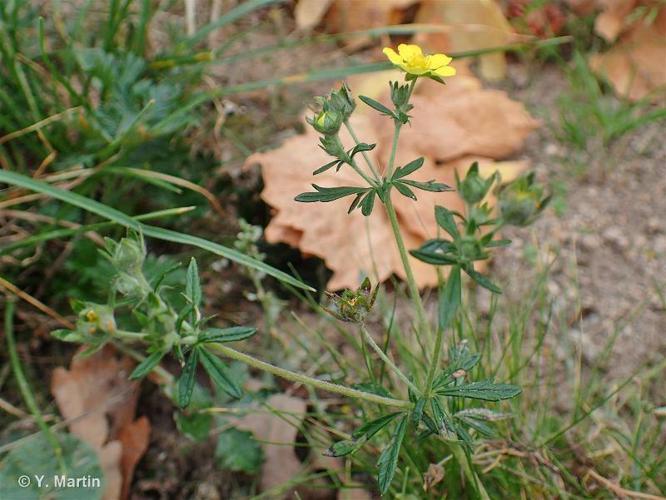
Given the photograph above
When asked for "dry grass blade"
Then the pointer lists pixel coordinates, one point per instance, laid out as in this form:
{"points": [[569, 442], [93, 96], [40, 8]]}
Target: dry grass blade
{"points": [[38, 304]]}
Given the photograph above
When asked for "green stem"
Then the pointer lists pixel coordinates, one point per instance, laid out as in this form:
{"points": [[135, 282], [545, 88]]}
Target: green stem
{"points": [[304, 379], [404, 257], [394, 148], [471, 475], [437, 351], [24, 387], [388, 361], [349, 128], [434, 361]]}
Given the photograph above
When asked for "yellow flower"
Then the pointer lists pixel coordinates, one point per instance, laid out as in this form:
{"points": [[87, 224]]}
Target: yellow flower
{"points": [[411, 60]]}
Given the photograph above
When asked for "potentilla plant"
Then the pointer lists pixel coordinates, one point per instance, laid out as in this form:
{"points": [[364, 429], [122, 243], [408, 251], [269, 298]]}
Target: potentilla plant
{"points": [[150, 321], [437, 394]]}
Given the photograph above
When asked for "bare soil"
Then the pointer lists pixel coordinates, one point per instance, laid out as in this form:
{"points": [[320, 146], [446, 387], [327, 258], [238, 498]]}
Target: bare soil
{"points": [[605, 234]]}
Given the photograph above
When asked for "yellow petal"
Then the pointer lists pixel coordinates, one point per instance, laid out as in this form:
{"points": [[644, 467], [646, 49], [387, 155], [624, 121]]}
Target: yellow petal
{"points": [[409, 51], [439, 60], [393, 56], [444, 71]]}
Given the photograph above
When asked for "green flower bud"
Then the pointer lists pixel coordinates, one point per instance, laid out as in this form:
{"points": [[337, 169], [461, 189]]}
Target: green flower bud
{"points": [[522, 201], [327, 122], [473, 188], [128, 255], [400, 98], [342, 102]]}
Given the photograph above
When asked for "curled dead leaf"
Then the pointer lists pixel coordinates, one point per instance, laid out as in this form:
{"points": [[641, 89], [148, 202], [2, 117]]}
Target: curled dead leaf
{"points": [[98, 402]]}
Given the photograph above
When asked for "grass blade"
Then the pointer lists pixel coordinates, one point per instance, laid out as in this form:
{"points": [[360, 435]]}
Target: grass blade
{"points": [[150, 231]]}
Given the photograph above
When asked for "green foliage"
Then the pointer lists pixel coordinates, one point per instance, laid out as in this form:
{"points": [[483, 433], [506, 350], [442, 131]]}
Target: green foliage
{"points": [[438, 408], [590, 113], [35, 459], [238, 451]]}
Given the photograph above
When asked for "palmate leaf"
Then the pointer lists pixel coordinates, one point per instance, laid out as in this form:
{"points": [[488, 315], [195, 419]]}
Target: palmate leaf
{"points": [[187, 379], [482, 280], [445, 220], [361, 147], [388, 459], [232, 334], [460, 358], [369, 429], [404, 190], [218, 373], [450, 298], [325, 194], [360, 436], [485, 390], [368, 203], [377, 106], [432, 186], [328, 166], [344, 448], [410, 168], [147, 365], [434, 256]]}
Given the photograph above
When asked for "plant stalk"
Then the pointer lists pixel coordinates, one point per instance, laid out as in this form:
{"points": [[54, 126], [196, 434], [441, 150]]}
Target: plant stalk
{"points": [[388, 361], [404, 257], [24, 387], [349, 128], [304, 379]]}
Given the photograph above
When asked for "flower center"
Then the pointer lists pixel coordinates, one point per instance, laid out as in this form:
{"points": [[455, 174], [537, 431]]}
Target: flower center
{"points": [[417, 61]]}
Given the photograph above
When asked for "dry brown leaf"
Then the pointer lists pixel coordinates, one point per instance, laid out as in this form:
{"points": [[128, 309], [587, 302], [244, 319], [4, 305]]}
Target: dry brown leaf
{"points": [[452, 127], [309, 13], [356, 15], [99, 402], [280, 462], [613, 18], [110, 456], [433, 476], [134, 438], [635, 64], [582, 7], [475, 24]]}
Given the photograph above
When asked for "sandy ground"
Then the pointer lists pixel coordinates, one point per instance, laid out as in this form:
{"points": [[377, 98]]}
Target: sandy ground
{"points": [[607, 241]]}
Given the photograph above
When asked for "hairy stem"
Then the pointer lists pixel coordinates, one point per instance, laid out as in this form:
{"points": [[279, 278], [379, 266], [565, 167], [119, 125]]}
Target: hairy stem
{"points": [[404, 257], [304, 379], [388, 361], [371, 165]]}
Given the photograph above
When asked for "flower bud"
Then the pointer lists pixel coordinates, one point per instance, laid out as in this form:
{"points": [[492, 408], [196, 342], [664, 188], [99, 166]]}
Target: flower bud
{"points": [[128, 255], [327, 122], [473, 188], [342, 102], [522, 201]]}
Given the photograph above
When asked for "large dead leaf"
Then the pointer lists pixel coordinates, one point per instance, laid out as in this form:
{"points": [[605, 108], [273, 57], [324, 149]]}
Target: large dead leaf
{"points": [[280, 462], [99, 403], [350, 15], [451, 127], [475, 24], [465, 24], [635, 64]]}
